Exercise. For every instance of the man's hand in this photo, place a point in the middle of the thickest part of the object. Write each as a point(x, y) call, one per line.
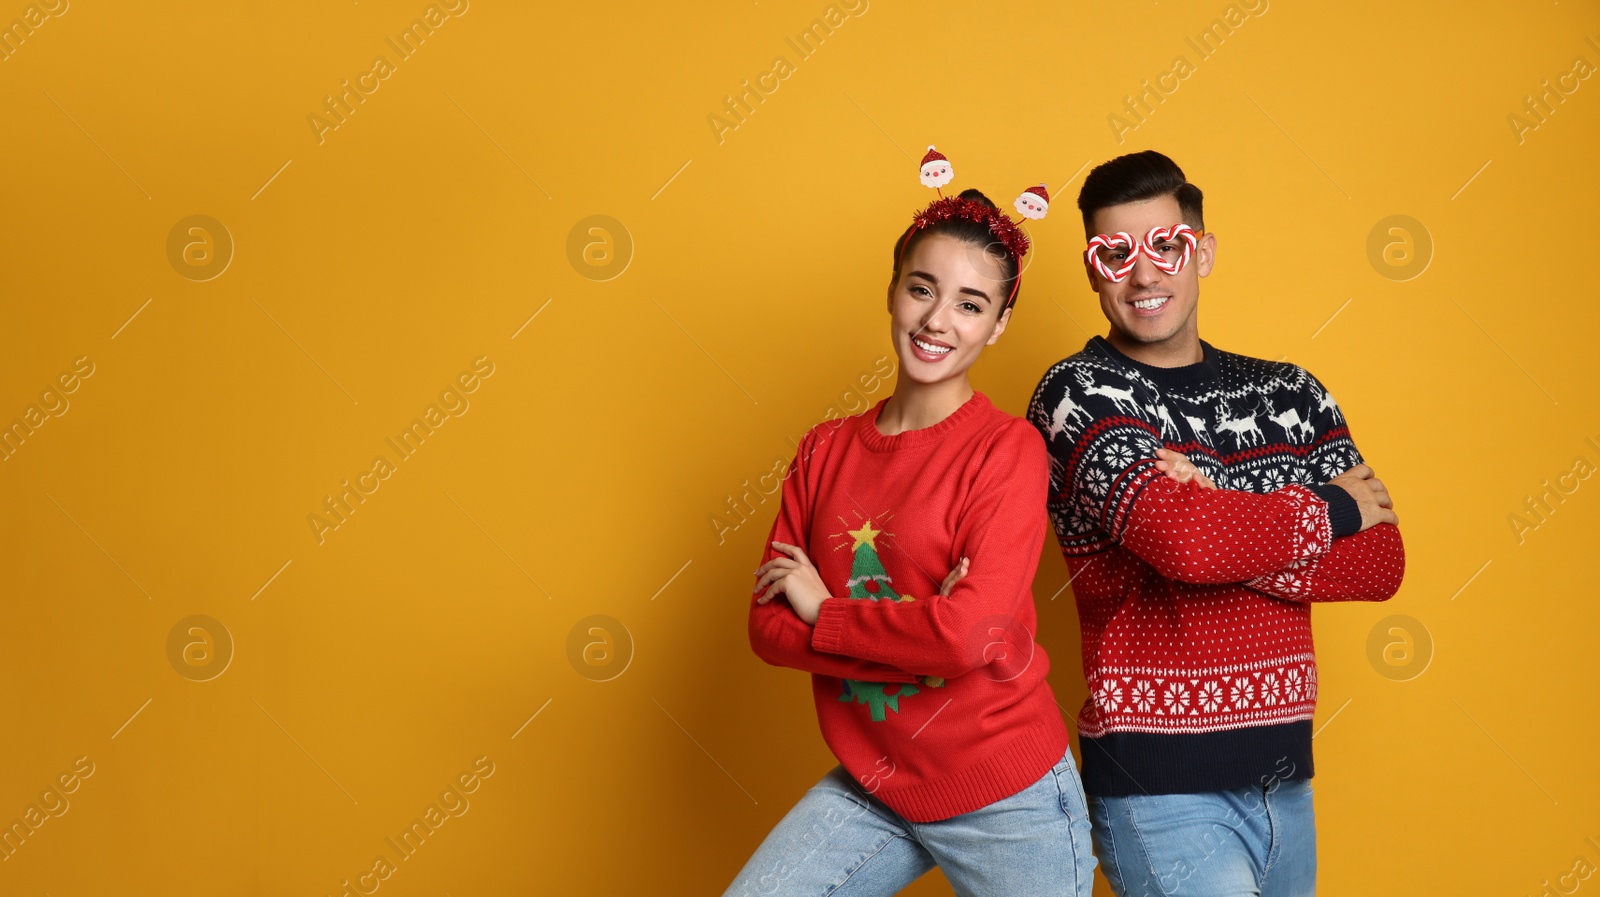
point(1178, 467)
point(1370, 494)
point(795, 578)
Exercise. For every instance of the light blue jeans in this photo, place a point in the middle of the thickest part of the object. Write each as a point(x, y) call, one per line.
point(1259, 841)
point(841, 841)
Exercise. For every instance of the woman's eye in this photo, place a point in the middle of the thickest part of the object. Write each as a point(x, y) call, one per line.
point(920, 291)
point(971, 307)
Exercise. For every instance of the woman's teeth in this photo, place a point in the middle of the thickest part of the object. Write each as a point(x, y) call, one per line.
point(930, 348)
point(1148, 304)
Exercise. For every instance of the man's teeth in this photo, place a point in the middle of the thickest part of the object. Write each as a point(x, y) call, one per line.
point(1148, 304)
point(930, 348)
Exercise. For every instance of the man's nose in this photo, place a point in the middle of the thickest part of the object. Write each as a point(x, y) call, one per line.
point(1145, 273)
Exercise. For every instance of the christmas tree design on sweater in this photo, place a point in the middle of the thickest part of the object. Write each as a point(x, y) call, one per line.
point(869, 581)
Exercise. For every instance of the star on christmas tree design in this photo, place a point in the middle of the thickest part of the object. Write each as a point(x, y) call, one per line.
point(870, 581)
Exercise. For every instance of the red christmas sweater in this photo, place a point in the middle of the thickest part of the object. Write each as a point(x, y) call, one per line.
point(937, 705)
point(1195, 604)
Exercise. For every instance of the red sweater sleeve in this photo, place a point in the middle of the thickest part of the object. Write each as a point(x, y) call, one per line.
point(1200, 535)
point(777, 635)
point(1001, 531)
point(1362, 566)
point(1103, 440)
point(1366, 566)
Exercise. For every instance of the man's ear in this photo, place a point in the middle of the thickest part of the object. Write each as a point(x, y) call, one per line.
point(1206, 253)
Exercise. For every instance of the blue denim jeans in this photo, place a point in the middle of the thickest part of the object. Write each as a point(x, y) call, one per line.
point(1259, 841)
point(841, 841)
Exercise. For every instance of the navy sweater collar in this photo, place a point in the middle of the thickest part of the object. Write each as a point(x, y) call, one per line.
point(1200, 373)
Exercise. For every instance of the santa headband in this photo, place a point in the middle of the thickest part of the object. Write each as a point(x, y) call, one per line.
point(936, 172)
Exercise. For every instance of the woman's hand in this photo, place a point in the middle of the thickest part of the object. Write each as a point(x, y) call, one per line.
point(797, 579)
point(1178, 467)
point(955, 576)
point(794, 577)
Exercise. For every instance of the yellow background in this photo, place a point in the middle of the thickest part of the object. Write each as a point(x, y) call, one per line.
point(430, 228)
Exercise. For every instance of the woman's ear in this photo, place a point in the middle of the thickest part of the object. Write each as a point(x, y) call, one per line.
point(999, 327)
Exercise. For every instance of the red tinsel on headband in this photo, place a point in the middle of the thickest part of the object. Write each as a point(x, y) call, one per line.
point(1002, 227)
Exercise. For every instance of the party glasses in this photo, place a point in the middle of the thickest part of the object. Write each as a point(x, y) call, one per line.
point(1168, 248)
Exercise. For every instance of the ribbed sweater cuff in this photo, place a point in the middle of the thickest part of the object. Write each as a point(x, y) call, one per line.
point(828, 633)
point(1344, 515)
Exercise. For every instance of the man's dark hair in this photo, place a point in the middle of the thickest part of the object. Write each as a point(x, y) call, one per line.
point(1136, 177)
point(968, 231)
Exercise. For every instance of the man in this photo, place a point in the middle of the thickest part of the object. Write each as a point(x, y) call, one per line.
point(1203, 500)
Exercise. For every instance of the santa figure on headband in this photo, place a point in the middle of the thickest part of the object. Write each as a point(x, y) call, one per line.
point(1034, 202)
point(936, 170)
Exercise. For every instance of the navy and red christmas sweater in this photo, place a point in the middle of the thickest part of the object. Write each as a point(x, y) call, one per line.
point(1195, 604)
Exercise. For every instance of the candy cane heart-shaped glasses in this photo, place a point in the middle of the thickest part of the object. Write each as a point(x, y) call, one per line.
point(1168, 248)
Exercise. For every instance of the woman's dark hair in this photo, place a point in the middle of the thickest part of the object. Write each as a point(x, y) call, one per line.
point(968, 231)
point(1136, 177)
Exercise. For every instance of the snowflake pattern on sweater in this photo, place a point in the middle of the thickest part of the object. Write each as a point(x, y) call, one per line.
point(1195, 603)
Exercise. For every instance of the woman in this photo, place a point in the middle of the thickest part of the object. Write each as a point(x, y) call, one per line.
point(899, 574)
